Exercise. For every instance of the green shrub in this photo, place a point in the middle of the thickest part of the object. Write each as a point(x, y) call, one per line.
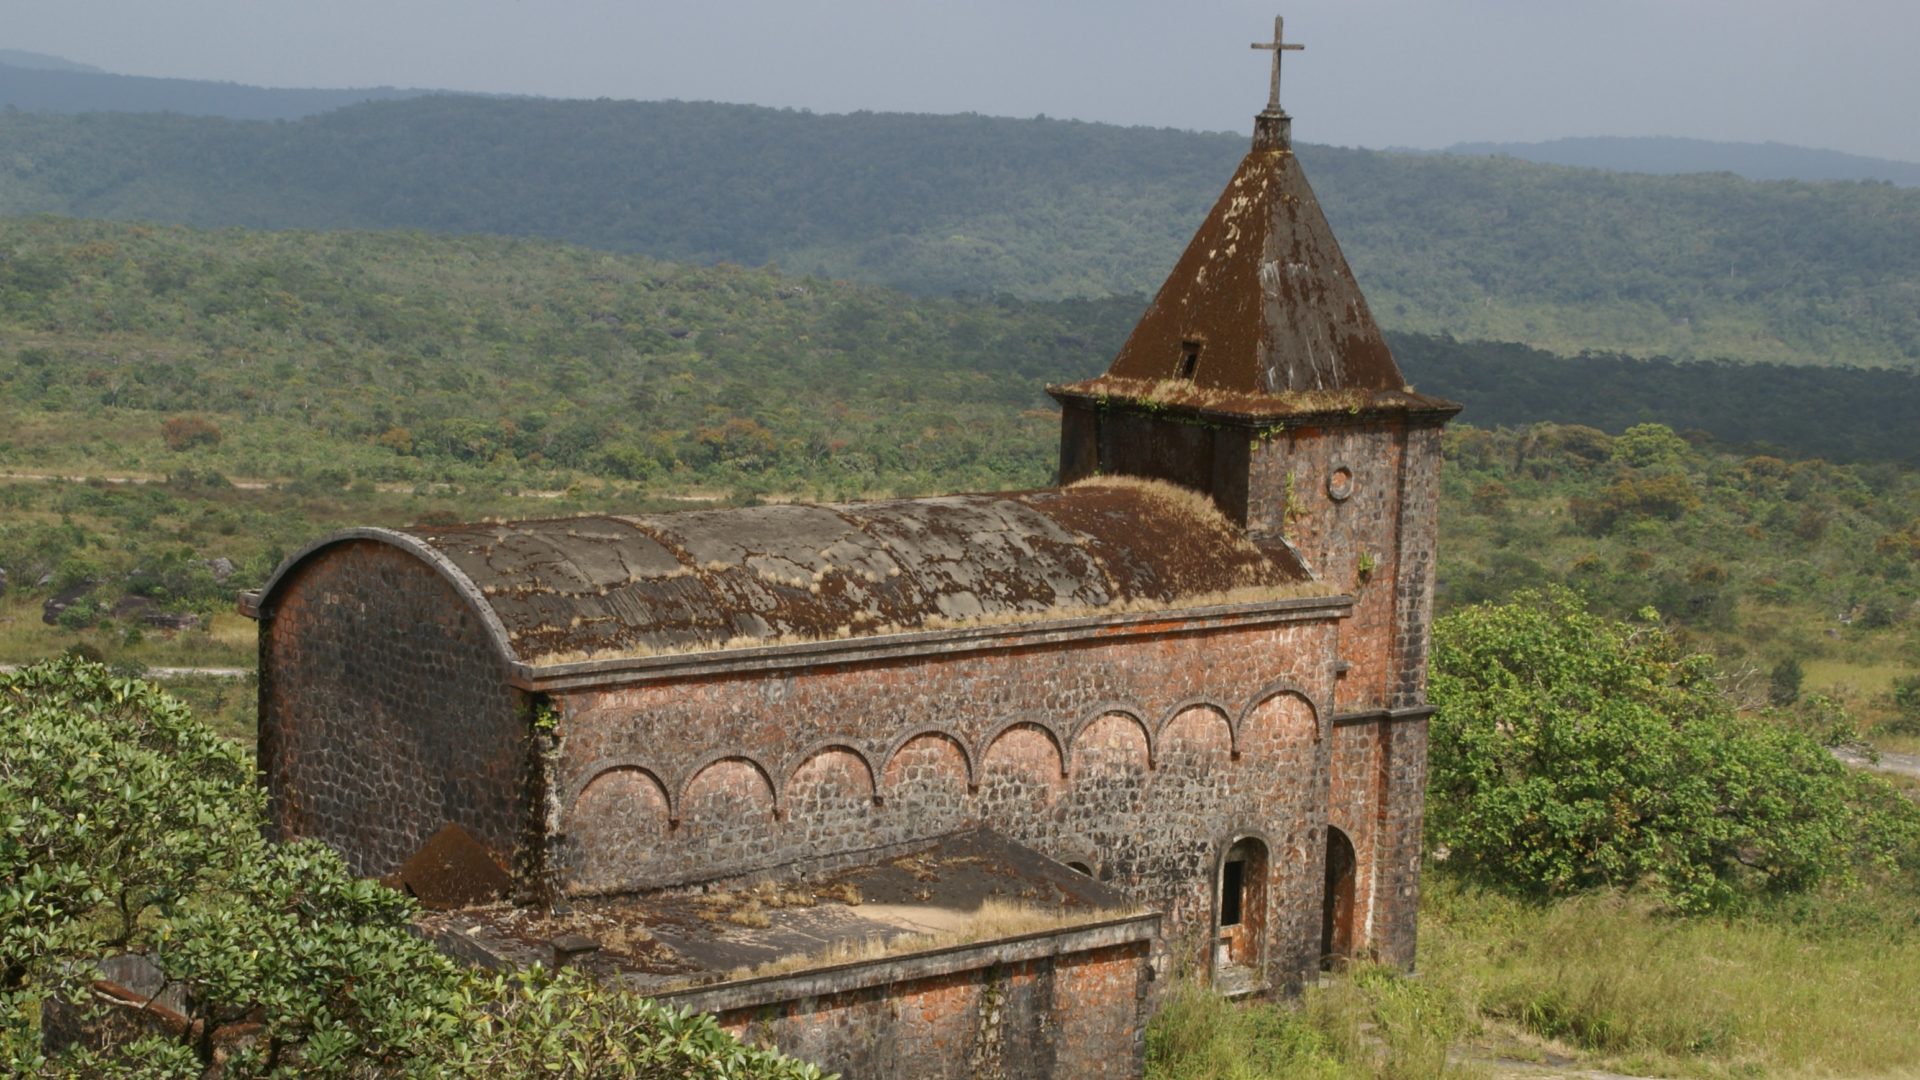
point(186, 432)
point(1571, 752)
point(1783, 683)
point(1906, 706)
point(131, 827)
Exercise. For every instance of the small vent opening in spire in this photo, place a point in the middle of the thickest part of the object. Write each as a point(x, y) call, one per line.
point(1189, 361)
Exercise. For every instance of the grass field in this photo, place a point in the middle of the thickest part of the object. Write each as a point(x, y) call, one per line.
point(1825, 985)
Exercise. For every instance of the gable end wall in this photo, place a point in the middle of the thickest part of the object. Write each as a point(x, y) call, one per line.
point(385, 711)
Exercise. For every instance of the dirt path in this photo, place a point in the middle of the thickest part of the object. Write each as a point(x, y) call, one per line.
point(1508, 1069)
point(244, 485)
point(173, 672)
point(1904, 764)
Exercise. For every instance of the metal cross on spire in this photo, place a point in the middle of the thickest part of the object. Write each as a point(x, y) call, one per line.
point(1278, 45)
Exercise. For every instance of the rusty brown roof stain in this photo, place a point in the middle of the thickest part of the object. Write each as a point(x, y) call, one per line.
point(612, 585)
point(1266, 294)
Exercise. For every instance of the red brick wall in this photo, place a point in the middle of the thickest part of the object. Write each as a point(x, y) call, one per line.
point(1290, 479)
point(1073, 1017)
point(1356, 807)
point(385, 711)
point(1117, 753)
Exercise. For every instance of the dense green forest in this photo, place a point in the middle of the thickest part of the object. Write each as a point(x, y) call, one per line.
point(1558, 258)
point(428, 358)
point(1842, 414)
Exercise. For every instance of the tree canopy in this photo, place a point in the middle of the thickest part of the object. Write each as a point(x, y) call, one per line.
point(1572, 751)
point(129, 827)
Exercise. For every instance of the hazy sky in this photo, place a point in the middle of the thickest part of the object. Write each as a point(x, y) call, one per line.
point(1841, 74)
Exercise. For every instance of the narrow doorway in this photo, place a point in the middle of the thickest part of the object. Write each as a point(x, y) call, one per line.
point(1336, 912)
point(1241, 911)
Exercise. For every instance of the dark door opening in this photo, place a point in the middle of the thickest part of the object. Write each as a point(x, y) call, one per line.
point(1241, 913)
point(1336, 913)
point(1233, 886)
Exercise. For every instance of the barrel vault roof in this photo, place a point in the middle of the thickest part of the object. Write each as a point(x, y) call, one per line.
point(565, 590)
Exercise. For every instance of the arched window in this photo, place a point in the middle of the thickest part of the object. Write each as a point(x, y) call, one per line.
point(1336, 909)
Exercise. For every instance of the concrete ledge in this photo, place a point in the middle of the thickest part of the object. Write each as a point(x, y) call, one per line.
point(931, 963)
point(1374, 716)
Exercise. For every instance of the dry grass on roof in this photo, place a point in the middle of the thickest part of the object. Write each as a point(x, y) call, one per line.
point(1176, 392)
point(993, 920)
point(1189, 508)
point(1248, 594)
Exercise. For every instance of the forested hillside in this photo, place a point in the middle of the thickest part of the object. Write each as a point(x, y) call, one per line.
point(1667, 155)
point(1563, 259)
point(532, 361)
point(1838, 413)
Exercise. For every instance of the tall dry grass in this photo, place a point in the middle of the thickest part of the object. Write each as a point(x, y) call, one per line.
point(1370, 1025)
point(1817, 985)
point(1813, 985)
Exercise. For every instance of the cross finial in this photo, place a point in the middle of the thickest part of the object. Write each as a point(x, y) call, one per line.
point(1278, 45)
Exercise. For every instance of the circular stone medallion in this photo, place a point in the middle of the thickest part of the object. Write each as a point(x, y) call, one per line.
point(1340, 483)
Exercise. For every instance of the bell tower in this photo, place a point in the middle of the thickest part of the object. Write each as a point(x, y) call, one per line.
point(1259, 377)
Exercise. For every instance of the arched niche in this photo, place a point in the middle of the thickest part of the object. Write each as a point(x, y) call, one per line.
point(924, 786)
point(1241, 915)
point(829, 799)
point(615, 828)
point(1021, 777)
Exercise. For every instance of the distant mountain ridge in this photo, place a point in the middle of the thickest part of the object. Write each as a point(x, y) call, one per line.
point(1480, 248)
point(1669, 156)
point(39, 83)
point(35, 61)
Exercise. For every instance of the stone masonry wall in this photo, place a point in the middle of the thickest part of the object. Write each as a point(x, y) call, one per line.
point(1077, 1016)
point(1293, 483)
point(1356, 806)
point(1388, 472)
point(385, 711)
point(1142, 757)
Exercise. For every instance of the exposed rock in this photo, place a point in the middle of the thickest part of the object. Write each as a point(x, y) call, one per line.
point(129, 608)
point(59, 602)
point(171, 620)
point(132, 607)
point(222, 568)
point(3, 581)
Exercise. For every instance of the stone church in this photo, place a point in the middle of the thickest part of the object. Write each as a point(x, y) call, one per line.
point(1193, 672)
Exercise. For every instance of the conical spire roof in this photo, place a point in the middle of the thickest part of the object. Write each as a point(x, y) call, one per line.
point(1262, 302)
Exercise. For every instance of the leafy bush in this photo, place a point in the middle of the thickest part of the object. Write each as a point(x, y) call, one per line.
point(1571, 752)
point(1906, 706)
point(1664, 496)
point(131, 827)
point(1783, 683)
point(1649, 446)
point(187, 432)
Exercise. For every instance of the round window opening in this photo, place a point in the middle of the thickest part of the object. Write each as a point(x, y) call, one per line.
point(1340, 483)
